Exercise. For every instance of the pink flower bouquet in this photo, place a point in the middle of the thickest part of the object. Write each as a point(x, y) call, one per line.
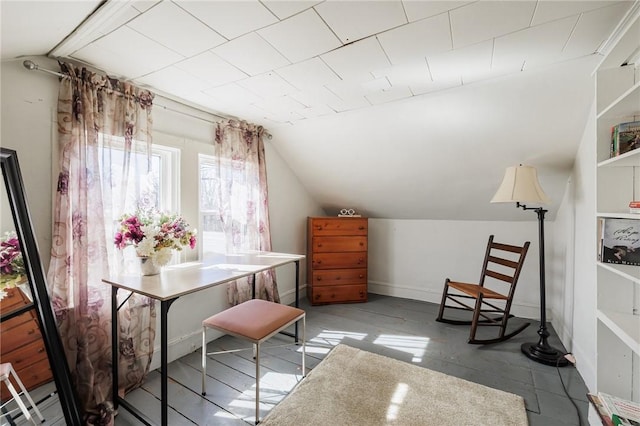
point(12, 270)
point(154, 235)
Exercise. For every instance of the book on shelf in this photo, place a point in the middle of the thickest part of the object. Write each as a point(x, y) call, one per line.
point(621, 411)
point(625, 137)
point(619, 241)
point(604, 415)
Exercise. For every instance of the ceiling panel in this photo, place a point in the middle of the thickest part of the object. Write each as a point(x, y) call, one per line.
point(461, 62)
point(285, 8)
point(355, 20)
point(484, 20)
point(376, 85)
point(176, 29)
point(143, 5)
point(313, 112)
point(391, 94)
point(424, 9)
point(358, 59)
point(173, 80)
point(348, 89)
point(547, 11)
point(315, 96)
point(536, 45)
point(418, 88)
point(311, 37)
point(310, 73)
point(233, 94)
point(127, 53)
point(418, 39)
point(252, 54)
point(592, 30)
point(17, 39)
point(406, 75)
point(349, 104)
point(267, 85)
point(230, 18)
point(209, 67)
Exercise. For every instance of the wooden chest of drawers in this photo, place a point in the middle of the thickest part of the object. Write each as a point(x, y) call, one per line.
point(21, 343)
point(337, 260)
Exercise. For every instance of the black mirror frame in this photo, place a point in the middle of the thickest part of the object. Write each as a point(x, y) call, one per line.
point(37, 284)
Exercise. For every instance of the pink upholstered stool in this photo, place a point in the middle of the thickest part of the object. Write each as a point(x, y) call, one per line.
point(256, 321)
point(7, 375)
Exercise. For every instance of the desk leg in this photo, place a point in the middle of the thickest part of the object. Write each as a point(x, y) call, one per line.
point(164, 357)
point(253, 287)
point(115, 350)
point(297, 294)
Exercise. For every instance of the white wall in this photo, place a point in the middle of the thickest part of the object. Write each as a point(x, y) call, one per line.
point(412, 258)
point(575, 312)
point(28, 109)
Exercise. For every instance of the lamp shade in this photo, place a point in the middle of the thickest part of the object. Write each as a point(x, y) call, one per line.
point(520, 184)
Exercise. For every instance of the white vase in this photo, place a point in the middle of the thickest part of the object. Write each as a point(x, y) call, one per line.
point(147, 267)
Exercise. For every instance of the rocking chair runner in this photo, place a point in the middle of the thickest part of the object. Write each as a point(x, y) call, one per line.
point(495, 258)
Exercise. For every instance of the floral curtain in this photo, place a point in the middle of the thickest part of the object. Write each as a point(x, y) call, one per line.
point(97, 116)
point(244, 212)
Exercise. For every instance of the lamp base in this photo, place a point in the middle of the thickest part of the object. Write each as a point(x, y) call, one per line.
point(544, 354)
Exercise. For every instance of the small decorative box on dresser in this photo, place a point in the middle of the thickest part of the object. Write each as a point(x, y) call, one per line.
point(21, 343)
point(337, 259)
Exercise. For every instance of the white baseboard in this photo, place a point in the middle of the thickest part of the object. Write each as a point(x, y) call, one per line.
point(428, 295)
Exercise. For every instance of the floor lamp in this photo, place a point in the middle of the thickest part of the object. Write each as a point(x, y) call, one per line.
point(520, 185)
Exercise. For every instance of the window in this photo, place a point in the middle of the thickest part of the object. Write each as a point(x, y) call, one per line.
point(211, 232)
point(148, 185)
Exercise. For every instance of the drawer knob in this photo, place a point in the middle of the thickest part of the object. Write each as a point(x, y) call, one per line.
point(317, 296)
point(318, 279)
point(361, 276)
point(338, 277)
point(361, 227)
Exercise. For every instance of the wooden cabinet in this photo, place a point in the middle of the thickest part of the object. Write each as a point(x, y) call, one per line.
point(618, 183)
point(337, 259)
point(21, 343)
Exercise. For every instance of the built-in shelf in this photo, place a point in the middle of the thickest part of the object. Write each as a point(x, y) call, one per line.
point(629, 272)
point(617, 293)
point(627, 104)
point(619, 215)
point(628, 159)
point(625, 326)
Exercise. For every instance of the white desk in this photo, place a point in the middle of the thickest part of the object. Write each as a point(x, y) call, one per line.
point(178, 280)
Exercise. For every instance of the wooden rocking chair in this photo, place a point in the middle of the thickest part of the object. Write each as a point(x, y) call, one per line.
point(495, 259)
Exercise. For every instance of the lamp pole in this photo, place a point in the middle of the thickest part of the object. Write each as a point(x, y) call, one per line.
point(542, 352)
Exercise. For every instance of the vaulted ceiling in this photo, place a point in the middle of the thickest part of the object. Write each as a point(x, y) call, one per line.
point(403, 109)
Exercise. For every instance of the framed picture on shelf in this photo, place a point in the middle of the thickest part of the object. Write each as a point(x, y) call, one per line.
point(621, 241)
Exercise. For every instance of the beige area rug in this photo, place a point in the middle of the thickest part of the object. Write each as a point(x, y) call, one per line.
point(354, 387)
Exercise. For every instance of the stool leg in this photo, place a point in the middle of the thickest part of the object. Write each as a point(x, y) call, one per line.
point(257, 347)
point(304, 347)
point(28, 396)
point(16, 397)
point(204, 359)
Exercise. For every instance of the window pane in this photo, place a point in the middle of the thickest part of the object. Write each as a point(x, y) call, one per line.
point(212, 236)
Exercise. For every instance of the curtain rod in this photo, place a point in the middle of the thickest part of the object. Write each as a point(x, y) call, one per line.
point(32, 66)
